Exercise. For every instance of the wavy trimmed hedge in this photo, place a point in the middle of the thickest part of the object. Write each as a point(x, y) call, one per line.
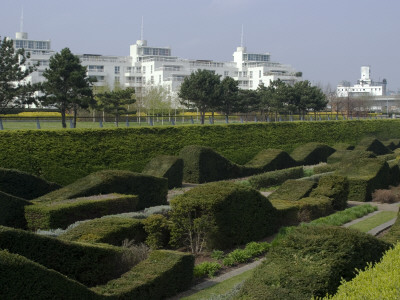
point(271, 160)
point(167, 166)
point(373, 145)
point(272, 178)
point(64, 156)
point(312, 153)
point(88, 264)
point(163, 274)
point(61, 214)
point(12, 211)
point(293, 190)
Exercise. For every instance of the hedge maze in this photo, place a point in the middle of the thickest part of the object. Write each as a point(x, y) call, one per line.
point(99, 224)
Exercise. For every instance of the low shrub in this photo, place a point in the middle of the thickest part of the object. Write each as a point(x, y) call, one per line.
point(24, 185)
point(293, 190)
point(312, 153)
point(151, 190)
point(379, 281)
point(135, 253)
point(335, 187)
point(206, 268)
point(60, 214)
point(271, 160)
point(202, 164)
point(272, 178)
point(111, 230)
point(373, 145)
point(217, 254)
point(311, 261)
point(251, 250)
point(157, 228)
point(12, 211)
point(88, 264)
point(384, 196)
point(162, 275)
point(170, 167)
point(21, 278)
point(220, 215)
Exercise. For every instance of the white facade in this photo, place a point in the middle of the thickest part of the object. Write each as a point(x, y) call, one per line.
point(364, 87)
point(154, 66)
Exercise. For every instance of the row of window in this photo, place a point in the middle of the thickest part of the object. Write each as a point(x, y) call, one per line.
point(26, 44)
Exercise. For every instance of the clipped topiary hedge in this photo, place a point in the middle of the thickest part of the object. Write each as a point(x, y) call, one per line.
point(151, 190)
point(343, 146)
point(335, 187)
point(63, 156)
point(392, 144)
point(21, 278)
point(304, 210)
point(348, 155)
point(312, 153)
point(110, 230)
point(272, 178)
point(12, 211)
point(223, 213)
point(88, 264)
point(311, 261)
point(271, 160)
point(373, 145)
point(60, 214)
point(170, 167)
point(24, 185)
point(162, 275)
point(393, 236)
point(394, 172)
point(293, 190)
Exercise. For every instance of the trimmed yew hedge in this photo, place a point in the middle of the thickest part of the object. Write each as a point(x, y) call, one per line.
point(373, 145)
point(272, 178)
point(12, 211)
point(61, 214)
point(64, 156)
point(88, 264)
point(170, 167)
point(335, 187)
point(312, 153)
point(163, 274)
point(293, 190)
point(271, 160)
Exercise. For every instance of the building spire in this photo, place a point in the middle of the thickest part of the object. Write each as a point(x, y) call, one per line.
point(141, 31)
point(21, 26)
point(241, 38)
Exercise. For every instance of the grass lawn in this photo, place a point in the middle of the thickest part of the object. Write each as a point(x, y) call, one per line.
point(222, 288)
point(374, 221)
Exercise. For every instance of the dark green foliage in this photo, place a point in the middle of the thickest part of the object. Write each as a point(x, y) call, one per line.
point(348, 155)
point(312, 153)
point(303, 210)
point(293, 190)
point(21, 278)
point(65, 156)
point(24, 185)
point(157, 229)
point(275, 177)
point(162, 275)
point(334, 187)
point(365, 175)
point(343, 146)
point(61, 214)
point(110, 230)
point(88, 264)
point(203, 164)
point(393, 236)
point(170, 167)
point(311, 261)
point(394, 172)
point(231, 214)
point(271, 160)
point(373, 145)
point(12, 211)
point(392, 144)
point(151, 190)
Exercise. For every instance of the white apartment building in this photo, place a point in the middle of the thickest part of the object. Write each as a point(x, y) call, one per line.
point(148, 66)
point(364, 87)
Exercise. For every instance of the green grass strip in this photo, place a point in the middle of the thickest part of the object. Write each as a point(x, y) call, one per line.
point(224, 290)
point(374, 221)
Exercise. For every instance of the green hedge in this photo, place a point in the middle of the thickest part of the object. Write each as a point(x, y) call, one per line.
point(61, 214)
point(88, 264)
point(110, 230)
point(227, 214)
point(392, 144)
point(373, 145)
point(343, 146)
point(12, 211)
point(151, 190)
point(348, 155)
point(24, 185)
point(379, 281)
point(304, 210)
point(272, 178)
point(63, 156)
point(311, 261)
point(162, 275)
point(21, 278)
point(312, 153)
point(394, 172)
point(335, 187)
point(293, 190)
point(170, 167)
point(271, 160)
point(393, 236)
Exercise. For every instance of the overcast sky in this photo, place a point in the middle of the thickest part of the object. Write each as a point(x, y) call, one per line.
point(328, 40)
